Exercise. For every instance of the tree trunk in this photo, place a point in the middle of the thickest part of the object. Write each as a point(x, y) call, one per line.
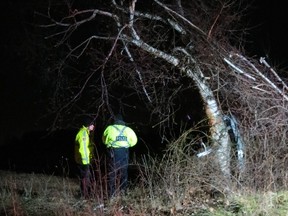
point(219, 134)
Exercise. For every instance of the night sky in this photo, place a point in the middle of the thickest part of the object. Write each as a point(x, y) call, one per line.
point(269, 35)
point(22, 105)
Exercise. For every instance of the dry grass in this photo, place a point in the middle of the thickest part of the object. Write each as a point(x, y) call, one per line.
point(177, 184)
point(39, 194)
point(163, 187)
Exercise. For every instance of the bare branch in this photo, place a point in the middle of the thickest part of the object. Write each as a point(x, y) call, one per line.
point(263, 61)
point(178, 15)
point(156, 52)
point(262, 76)
point(237, 69)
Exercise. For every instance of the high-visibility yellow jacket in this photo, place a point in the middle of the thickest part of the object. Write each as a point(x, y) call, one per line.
point(117, 136)
point(83, 146)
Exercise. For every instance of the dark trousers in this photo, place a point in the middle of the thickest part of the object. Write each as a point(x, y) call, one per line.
point(118, 170)
point(85, 180)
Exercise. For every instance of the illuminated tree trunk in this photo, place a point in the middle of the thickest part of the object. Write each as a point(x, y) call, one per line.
point(219, 134)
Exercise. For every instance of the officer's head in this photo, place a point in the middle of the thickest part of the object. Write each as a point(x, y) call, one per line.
point(88, 122)
point(118, 119)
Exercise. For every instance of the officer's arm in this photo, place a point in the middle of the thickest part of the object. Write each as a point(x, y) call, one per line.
point(132, 137)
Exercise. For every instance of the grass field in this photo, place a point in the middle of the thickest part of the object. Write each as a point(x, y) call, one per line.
point(24, 194)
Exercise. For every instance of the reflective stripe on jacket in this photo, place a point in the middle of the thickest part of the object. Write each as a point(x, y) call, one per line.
point(119, 136)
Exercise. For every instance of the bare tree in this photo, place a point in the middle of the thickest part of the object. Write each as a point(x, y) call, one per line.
point(148, 50)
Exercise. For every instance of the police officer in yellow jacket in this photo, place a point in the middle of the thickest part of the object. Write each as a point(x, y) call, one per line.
point(84, 147)
point(118, 138)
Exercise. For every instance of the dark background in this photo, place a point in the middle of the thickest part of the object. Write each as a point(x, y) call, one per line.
point(23, 105)
point(268, 32)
